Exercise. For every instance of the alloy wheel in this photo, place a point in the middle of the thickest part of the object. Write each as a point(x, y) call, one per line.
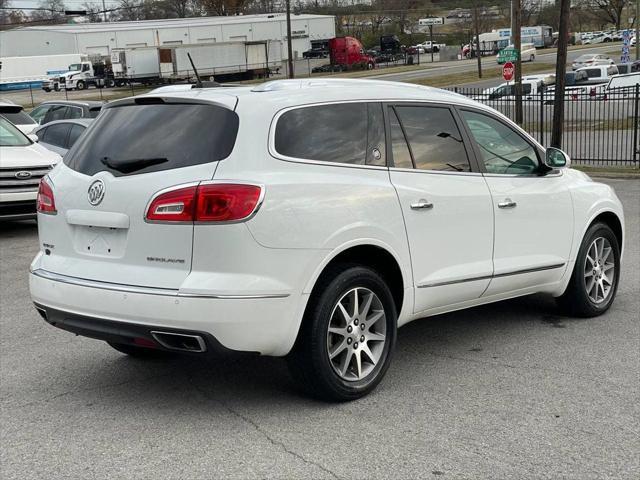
point(356, 335)
point(599, 270)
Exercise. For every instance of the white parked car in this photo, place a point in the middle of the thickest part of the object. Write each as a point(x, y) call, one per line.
point(599, 74)
point(313, 219)
point(591, 60)
point(23, 163)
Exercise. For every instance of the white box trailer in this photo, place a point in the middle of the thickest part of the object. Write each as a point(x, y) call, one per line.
point(23, 72)
point(222, 61)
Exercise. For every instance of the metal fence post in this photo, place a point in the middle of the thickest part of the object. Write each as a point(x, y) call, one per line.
point(132, 91)
point(541, 120)
point(66, 93)
point(31, 93)
point(636, 153)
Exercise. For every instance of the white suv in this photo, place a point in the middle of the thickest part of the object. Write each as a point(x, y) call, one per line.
point(311, 219)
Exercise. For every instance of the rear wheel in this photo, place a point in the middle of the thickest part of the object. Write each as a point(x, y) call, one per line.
point(348, 335)
point(596, 274)
point(138, 352)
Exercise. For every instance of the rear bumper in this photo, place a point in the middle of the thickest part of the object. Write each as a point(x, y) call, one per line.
point(266, 325)
point(123, 332)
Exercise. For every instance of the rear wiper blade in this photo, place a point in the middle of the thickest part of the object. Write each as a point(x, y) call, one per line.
point(133, 164)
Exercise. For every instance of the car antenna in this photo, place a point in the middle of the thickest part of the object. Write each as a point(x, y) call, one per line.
point(198, 81)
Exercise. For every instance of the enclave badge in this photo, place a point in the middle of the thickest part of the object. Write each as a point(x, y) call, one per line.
point(96, 192)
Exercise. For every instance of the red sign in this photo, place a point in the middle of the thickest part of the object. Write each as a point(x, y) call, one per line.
point(508, 71)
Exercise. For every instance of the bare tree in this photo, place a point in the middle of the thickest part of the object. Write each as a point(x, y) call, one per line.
point(610, 10)
point(49, 10)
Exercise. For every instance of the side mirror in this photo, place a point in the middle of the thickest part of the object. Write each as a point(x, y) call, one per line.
point(556, 158)
point(33, 137)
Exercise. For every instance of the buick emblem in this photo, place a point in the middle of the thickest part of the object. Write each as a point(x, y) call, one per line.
point(23, 175)
point(96, 192)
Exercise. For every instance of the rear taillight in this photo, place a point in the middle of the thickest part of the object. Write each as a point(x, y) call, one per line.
point(45, 203)
point(173, 206)
point(213, 202)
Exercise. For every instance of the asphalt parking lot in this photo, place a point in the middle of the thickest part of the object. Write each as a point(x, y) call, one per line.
point(510, 390)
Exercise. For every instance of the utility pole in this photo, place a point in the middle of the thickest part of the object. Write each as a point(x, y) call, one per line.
point(289, 49)
point(476, 26)
point(516, 32)
point(104, 10)
point(561, 67)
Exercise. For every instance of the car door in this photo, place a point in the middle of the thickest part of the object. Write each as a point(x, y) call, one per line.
point(446, 205)
point(533, 211)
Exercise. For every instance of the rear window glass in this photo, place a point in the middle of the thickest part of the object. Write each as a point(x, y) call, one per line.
point(135, 139)
point(94, 111)
point(18, 118)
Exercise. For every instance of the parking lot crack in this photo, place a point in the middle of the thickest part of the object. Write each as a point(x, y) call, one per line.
point(263, 432)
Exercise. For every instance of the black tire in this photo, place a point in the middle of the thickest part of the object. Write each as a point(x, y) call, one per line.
point(309, 362)
point(532, 58)
point(575, 300)
point(47, 90)
point(80, 85)
point(139, 352)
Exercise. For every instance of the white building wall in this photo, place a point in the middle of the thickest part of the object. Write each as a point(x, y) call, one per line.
point(30, 42)
point(26, 43)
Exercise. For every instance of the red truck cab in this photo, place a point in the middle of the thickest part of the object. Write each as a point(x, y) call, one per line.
point(348, 53)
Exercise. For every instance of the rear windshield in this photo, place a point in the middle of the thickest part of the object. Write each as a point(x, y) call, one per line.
point(18, 118)
point(135, 139)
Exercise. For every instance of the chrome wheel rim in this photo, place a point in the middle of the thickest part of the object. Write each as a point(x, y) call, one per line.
point(599, 270)
point(357, 334)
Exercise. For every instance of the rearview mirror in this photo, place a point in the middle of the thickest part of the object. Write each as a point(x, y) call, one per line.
point(33, 137)
point(556, 158)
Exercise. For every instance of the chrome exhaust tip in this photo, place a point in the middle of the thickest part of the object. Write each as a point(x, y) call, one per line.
point(180, 342)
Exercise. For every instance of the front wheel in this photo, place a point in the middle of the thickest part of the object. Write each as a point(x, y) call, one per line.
point(596, 274)
point(347, 337)
point(80, 85)
point(532, 58)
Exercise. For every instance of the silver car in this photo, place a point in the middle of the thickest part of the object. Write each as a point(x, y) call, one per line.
point(59, 136)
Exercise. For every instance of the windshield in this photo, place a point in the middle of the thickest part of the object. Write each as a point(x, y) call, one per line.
point(132, 139)
point(10, 136)
point(75, 66)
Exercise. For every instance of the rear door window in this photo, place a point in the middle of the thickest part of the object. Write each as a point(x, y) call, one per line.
point(134, 139)
point(18, 118)
point(57, 134)
point(328, 133)
point(56, 112)
point(74, 112)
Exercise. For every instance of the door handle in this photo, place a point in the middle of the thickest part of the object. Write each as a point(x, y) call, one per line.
point(508, 203)
point(422, 205)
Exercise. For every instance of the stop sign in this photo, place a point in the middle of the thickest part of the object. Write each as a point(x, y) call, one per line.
point(508, 70)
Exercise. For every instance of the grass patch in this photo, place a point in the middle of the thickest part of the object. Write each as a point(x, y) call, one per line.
point(471, 77)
